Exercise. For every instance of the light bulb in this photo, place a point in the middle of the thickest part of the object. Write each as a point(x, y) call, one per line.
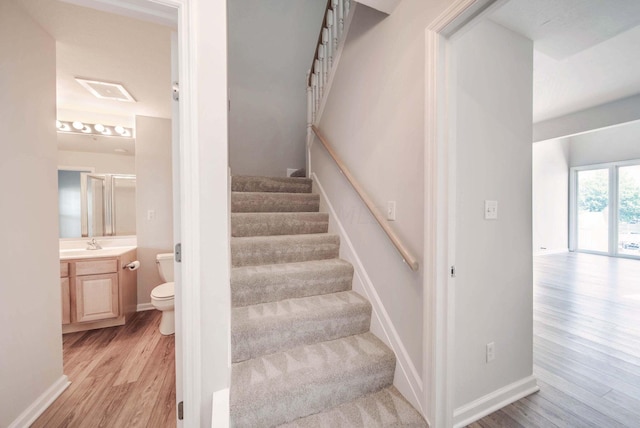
point(86, 129)
point(99, 127)
point(58, 124)
point(120, 129)
point(78, 125)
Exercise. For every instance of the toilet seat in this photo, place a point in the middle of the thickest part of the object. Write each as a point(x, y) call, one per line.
point(164, 291)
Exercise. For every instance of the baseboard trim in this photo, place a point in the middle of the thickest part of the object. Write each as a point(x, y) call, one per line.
point(406, 378)
point(494, 401)
point(41, 404)
point(220, 409)
point(557, 251)
point(144, 307)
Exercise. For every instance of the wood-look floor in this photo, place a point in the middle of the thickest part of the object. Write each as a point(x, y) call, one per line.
point(120, 377)
point(586, 318)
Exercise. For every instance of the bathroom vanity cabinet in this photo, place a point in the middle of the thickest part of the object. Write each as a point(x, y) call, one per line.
point(98, 291)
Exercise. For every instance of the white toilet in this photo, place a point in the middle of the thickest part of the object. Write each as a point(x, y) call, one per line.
point(162, 297)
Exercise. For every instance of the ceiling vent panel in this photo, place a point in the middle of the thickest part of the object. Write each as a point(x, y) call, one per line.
point(106, 90)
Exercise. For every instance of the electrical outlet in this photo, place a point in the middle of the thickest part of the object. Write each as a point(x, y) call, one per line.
point(391, 210)
point(491, 351)
point(151, 214)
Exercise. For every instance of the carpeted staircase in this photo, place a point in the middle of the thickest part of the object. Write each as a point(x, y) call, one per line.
point(302, 352)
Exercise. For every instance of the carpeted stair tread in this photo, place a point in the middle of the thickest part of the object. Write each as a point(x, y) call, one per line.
point(273, 327)
point(385, 408)
point(281, 223)
point(262, 250)
point(281, 387)
point(245, 183)
point(251, 285)
point(245, 202)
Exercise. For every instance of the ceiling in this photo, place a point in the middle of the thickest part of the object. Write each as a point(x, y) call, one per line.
point(585, 51)
point(114, 48)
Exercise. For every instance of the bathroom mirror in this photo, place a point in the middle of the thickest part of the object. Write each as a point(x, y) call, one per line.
point(94, 204)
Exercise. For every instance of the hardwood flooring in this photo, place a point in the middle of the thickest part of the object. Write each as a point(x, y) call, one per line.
point(586, 337)
point(120, 377)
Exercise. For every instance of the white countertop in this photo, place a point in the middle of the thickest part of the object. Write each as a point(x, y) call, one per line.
point(90, 254)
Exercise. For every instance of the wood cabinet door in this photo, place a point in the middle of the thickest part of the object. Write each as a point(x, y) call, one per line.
point(66, 300)
point(96, 297)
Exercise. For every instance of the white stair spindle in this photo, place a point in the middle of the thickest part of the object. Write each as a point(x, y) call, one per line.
point(334, 15)
point(347, 7)
point(317, 96)
point(333, 35)
point(327, 48)
point(310, 111)
point(340, 18)
point(323, 66)
point(309, 101)
point(318, 70)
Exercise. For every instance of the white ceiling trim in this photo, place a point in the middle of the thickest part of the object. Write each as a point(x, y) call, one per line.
point(603, 116)
point(144, 11)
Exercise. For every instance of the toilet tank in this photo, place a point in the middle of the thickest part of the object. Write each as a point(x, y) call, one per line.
point(165, 266)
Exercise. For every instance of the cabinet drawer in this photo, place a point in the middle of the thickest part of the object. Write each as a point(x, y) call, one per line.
point(96, 267)
point(64, 269)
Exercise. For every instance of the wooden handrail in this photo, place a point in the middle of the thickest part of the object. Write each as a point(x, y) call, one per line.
point(408, 258)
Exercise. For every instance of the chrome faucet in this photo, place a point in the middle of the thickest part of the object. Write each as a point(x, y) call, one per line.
point(93, 245)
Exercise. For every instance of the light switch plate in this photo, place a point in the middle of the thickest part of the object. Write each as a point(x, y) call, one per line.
point(490, 210)
point(391, 210)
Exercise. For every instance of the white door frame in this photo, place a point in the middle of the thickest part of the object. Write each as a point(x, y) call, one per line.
point(439, 214)
point(190, 190)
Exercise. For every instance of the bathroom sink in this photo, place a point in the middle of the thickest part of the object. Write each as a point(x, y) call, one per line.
point(87, 254)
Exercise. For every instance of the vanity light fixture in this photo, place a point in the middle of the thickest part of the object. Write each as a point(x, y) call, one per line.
point(77, 127)
point(64, 127)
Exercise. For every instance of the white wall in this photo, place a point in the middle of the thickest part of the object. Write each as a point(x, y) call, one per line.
point(551, 196)
point(606, 145)
point(102, 162)
point(212, 184)
point(153, 192)
point(493, 259)
point(31, 340)
point(271, 45)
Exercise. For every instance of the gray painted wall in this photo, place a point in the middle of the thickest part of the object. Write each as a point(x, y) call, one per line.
point(271, 45)
point(493, 284)
point(31, 339)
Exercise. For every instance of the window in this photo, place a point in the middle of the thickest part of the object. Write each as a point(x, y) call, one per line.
point(605, 209)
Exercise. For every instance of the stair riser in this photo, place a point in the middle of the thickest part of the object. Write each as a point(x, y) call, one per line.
point(271, 184)
point(317, 398)
point(251, 252)
point(274, 202)
point(250, 286)
point(268, 224)
point(253, 339)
